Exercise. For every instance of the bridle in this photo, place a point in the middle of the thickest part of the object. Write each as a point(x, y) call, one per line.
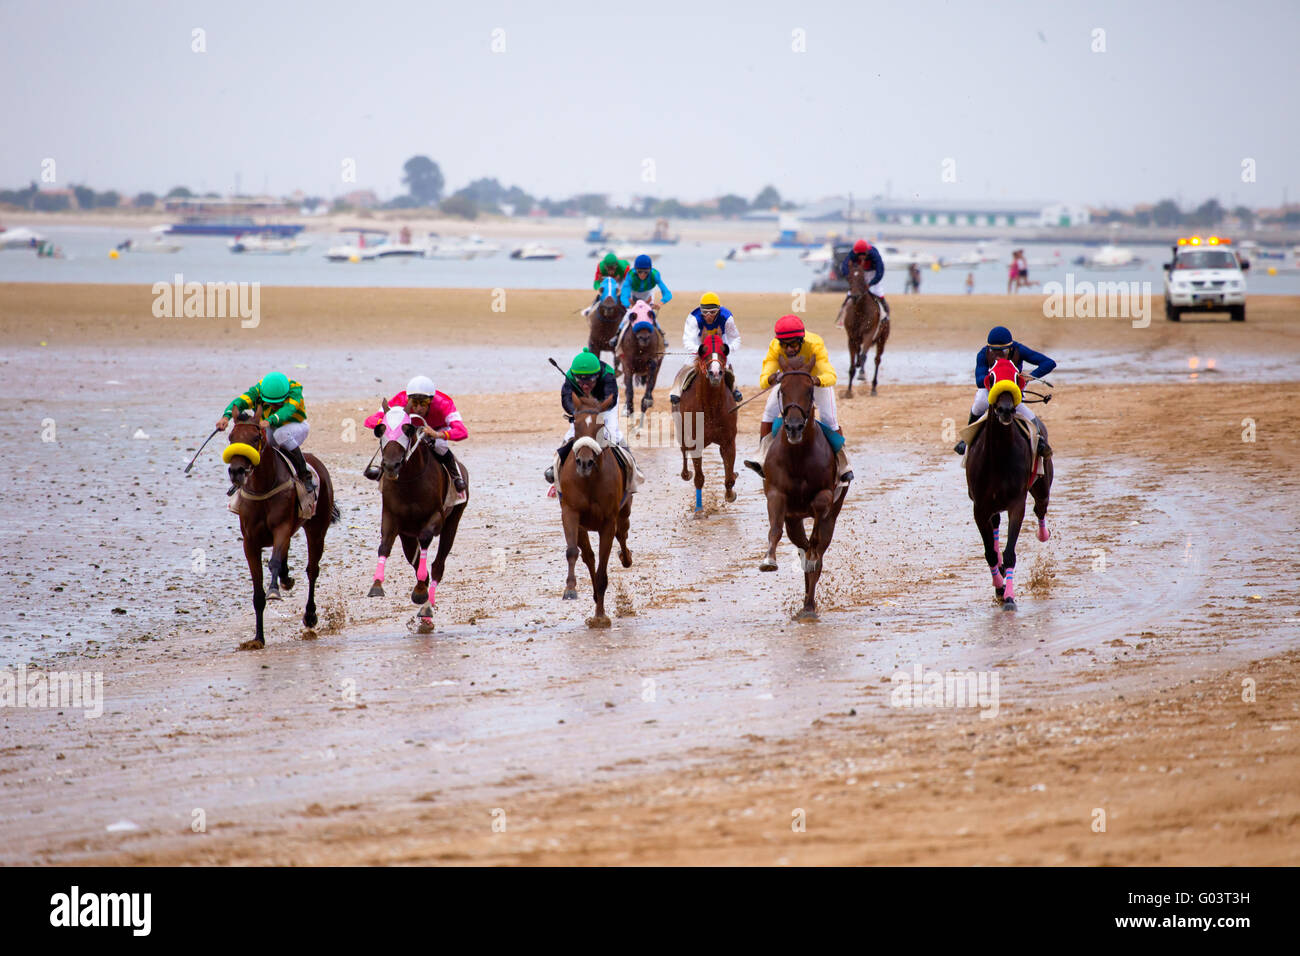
point(411, 443)
point(785, 407)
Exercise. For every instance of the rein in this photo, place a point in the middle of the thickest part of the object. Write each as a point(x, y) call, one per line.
point(807, 412)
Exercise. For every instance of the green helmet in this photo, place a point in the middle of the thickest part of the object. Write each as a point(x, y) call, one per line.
point(585, 363)
point(609, 260)
point(274, 388)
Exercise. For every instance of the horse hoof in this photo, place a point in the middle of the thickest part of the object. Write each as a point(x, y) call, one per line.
point(286, 583)
point(1009, 605)
point(699, 513)
point(686, 475)
point(309, 619)
point(419, 595)
point(424, 622)
point(570, 595)
point(625, 558)
point(1043, 533)
point(730, 495)
point(273, 594)
point(807, 616)
point(766, 565)
point(598, 621)
point(376, 590)
point(873, 390)
point(253, 645)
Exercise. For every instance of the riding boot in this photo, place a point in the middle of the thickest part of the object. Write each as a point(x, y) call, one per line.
point(730, 379)
point(561, 453)
point(300, 465)
point(960, 447)
point(842, 468)
point(448, 460)
point(1044, 449)
point(764, 429)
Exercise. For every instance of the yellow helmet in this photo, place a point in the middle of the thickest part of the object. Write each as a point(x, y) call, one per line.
point(710, 298)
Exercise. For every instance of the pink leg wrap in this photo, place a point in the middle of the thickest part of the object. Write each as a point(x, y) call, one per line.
point(379, 568)
point(1010, 593)
point(997, 546)
point(997, 577)
point(422, 570)
point(1043, 533)
point(433, 590)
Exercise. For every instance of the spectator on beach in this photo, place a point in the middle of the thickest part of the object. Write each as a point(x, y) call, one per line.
point(970, 282)
point(913, 283)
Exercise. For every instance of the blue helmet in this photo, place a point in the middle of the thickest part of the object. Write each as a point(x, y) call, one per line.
point(642, 262)
point(1000, 337)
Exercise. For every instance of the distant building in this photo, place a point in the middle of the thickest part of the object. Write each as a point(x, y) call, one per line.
point(977, 214)
point(360, 199)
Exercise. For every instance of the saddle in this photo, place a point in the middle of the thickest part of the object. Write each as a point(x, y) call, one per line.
point(1030, 429)
point(306, 502)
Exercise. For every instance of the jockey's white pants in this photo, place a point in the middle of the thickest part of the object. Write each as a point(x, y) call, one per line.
point(609, 419)
point(823, 398)
point(290, 435)
point(981, 405)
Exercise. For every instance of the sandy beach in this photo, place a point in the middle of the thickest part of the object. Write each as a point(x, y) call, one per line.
point(1150, 674)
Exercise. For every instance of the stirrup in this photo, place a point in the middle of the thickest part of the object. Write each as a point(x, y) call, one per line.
point(846, 477)
point(960, 448)
point(735, 393)
point(549, 474)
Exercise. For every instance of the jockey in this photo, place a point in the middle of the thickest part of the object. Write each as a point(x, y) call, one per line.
point(1001, 345)
point(443, 424)
point(592, 378)
point(792, 339)
point(610, 267)
point(640, 284)
point(709, 318)
point(868, 256)
point(284, 419)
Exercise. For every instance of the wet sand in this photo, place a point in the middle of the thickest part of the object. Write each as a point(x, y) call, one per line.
point(692, 729)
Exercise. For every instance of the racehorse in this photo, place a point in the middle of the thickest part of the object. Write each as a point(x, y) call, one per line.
point(799, 480)
point(863, 324)
point(268, 515)
point(642, 355)
point(415, 490)
point(998, 475)
point(605, 318)
point(706, 415)
point(595, 495)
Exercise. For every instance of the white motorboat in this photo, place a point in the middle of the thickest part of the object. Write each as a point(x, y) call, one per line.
point(267, 245)
point(19, 238)
point(895, 257)
point(535, 251)
point(157, 246)
point(1110, 257)
point(818, 256)
point(752, 252)
point(363, 249)
point(449, 247)
point(482, 248)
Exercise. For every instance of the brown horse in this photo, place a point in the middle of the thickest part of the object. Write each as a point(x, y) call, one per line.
point(706, 415)
point(269, 515)
point(594, 496)
point(604, 318)
point(415, 488)
point(863, 324)
point(642, 355)
point(799, 480)
point(998, 464)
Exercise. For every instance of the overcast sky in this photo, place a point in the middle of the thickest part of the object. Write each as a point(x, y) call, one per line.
point(716, 95)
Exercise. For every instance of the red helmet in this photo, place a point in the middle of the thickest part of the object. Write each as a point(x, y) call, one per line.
point(789, 327)
point(862, 246)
